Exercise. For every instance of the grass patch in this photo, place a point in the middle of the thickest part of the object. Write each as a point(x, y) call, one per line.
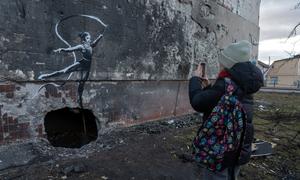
point(277, 119)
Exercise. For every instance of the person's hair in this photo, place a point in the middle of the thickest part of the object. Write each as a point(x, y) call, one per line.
point(82, 35)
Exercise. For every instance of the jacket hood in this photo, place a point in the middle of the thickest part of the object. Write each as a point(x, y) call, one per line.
point(247, 76)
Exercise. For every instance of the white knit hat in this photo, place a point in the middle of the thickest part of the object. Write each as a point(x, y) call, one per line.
point(235, 53)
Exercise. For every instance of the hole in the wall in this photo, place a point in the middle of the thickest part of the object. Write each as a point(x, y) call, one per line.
point(70, 127)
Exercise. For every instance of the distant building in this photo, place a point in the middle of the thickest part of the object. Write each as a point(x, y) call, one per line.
point(263, 67)
point(284, 73)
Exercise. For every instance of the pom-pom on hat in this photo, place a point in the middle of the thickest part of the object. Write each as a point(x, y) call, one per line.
point(235, 53)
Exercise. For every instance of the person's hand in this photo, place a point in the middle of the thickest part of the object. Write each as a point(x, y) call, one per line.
point(205, 82)
point(198, 73)
point(58, 50)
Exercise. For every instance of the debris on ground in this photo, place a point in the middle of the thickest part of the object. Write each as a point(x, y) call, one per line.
point(161, 150)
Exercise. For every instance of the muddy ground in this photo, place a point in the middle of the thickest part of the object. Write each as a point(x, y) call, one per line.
point(153, 150)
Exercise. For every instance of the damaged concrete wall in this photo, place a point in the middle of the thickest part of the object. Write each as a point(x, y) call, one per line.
point(139, 69)
point(246, 9)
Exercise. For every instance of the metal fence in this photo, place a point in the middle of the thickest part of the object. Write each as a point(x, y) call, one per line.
point(278, 84)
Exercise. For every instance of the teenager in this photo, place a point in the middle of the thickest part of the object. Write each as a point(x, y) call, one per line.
point(235, 65)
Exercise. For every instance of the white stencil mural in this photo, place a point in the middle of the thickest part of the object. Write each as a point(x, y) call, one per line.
point(83, 65)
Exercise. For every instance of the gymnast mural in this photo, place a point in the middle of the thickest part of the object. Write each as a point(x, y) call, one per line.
point(83, 65)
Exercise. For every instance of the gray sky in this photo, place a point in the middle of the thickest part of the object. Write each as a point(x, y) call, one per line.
point(277, 19)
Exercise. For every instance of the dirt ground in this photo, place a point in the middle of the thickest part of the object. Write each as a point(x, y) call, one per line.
point(153, 150)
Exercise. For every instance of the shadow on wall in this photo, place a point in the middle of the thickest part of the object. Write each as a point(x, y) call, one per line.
point(71, 127)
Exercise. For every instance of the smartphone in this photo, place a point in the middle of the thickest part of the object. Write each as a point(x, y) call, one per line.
point(203, 69)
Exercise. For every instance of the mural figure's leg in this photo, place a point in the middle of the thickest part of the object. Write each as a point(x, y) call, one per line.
point(66, 70)
point(84, 78)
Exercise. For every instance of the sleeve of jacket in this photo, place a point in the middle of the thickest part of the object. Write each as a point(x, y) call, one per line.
point(205, 99)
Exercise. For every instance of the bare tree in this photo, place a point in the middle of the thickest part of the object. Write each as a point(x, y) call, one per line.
point(293, 33)
point(297, 6)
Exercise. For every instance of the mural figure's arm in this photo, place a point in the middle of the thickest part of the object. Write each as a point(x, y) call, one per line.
point(70, 49)
point(95, 42)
